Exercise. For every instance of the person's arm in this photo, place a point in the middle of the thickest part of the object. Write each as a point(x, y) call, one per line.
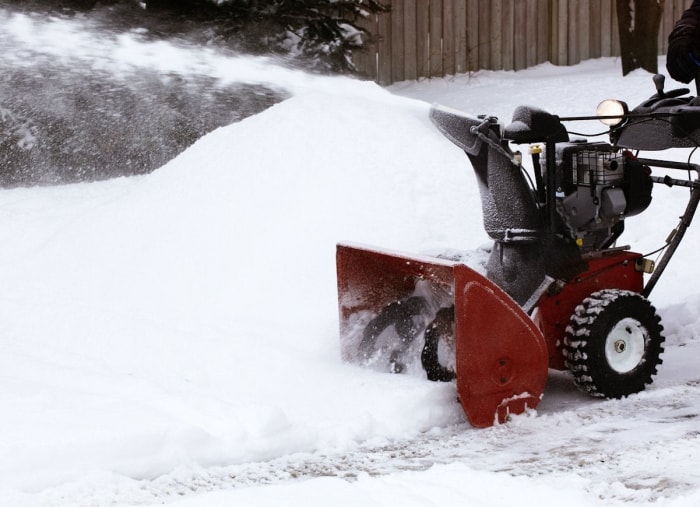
point(683, 55)
point(691, 16)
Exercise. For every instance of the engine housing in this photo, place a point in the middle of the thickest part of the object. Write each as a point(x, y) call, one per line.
point(597, 188)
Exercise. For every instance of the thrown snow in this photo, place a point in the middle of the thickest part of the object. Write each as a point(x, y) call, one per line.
point(173, 337)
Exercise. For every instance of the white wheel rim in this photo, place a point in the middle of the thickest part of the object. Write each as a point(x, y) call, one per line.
point(625, 344)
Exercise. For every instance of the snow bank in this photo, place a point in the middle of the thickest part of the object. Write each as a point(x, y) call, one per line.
point(190, 315)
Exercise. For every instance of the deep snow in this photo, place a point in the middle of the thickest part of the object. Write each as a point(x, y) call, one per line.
point(173, 337)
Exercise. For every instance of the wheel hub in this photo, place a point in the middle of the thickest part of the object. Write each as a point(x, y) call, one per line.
point(625, 345)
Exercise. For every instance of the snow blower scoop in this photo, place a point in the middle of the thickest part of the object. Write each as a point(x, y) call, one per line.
point(500, 357)
point(556, 291)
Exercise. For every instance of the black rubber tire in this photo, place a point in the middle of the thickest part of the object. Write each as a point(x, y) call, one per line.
point(613, 343)
point(400, 314)
point(442, 327)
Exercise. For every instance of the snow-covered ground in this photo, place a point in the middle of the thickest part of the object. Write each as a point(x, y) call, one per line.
point(172, 338)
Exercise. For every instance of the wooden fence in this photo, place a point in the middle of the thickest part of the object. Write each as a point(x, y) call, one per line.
point(432, 38)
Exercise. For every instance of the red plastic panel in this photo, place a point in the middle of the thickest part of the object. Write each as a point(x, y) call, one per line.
point(501, 355)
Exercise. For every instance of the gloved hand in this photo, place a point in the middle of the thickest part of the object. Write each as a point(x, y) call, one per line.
point(682, 56)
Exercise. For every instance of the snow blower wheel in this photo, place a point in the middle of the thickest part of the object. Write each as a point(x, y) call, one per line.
point(406, 317)
point(441, 328)
point(613, 343)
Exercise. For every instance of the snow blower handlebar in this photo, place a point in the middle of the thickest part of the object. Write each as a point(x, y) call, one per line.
point(677, 234)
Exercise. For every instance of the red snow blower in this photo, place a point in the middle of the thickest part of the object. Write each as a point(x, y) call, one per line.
point(556, 290)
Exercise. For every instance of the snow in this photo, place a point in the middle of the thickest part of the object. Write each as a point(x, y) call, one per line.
point(172, 338)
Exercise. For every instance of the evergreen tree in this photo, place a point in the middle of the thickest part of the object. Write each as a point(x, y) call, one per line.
point(321, 32)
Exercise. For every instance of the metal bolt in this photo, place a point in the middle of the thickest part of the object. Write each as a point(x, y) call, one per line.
point(620, 346)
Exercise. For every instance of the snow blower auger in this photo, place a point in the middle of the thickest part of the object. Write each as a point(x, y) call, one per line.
point(556, 290)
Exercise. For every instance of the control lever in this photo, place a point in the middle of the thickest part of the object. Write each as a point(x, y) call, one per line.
point(659, 81)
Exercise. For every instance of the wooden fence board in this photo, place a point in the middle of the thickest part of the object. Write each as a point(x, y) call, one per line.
point(397, 43)
point(496, 60)
point(615, 35)
point(448, 37)
point(530, 27)
point(519, 35)
point(572, 33)
point(583, 25)
point(606, 33)
point(484, 35)
point(436, 67)
point(423, 38)
point(473, 34)
point(507, 35)
point(384, 63)
point(461, 40)
point(544, 17)
point(595, 29)
point(409, 40)
point(562, 34)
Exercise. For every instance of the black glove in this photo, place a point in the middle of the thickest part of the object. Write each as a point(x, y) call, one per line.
point(682, 59)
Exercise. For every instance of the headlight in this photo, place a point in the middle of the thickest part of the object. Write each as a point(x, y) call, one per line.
point(611, 112)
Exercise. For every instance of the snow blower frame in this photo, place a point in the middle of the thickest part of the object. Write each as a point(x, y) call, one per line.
point(556, 292)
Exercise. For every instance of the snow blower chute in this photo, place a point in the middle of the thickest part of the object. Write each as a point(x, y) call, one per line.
point(556, 291)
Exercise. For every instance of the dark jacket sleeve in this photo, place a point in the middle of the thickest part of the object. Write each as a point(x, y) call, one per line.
point(690, 18)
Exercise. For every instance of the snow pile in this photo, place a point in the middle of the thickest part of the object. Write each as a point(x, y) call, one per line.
point(213, 279)
point(163, 334)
